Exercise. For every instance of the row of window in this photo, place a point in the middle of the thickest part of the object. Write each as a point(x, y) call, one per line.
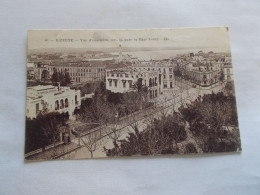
point(85, 74)
point(153, 94)
point(77, 69)
point(124, 83)
point(79, 79)
point(170, 76)
point(152, 82)
point(126, 75)
point(64, 104)
point(165, 85)
point(118, 75)
point(205, 69)
point(60, 104)
point(164, 70)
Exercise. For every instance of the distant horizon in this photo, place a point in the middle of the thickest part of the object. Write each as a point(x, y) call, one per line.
point(148, 53)
point(127, 49)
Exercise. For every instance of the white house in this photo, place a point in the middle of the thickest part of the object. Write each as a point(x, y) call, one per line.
point(51, 98)
point(164, 69)
point(123, 80)
point(120, 81)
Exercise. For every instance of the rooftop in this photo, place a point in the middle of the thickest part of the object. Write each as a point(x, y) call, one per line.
point(42, 87)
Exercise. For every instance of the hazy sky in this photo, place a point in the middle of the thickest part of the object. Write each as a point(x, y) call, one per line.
point(183, 38)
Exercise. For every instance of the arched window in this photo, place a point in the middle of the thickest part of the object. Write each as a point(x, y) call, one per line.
point(57, 105)
point(61, 104)
point(66, 103)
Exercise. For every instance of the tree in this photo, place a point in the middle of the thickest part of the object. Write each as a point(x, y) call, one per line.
point(152, 140)
point(67, 79)
point(99, 108)
point(114, 133)
point(221, 77)
point(229, 88)
point(49, 125)
point(45, 75)
point(210, 119)
point(55, 77)
point(88, 88)
point(133, 103)
point(141, 89)
point(44, 130)
point(60, 77)
point(177, 72)
point(91, 142)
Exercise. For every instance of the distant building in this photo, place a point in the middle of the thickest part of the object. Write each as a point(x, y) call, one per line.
point(51, 99)
point(30, 71)
point(228, 71)
point(205, 69)
point(35, 71)
point(81, 72)
point(203, 74)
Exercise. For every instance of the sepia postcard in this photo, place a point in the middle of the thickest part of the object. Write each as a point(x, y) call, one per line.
point(129, 93)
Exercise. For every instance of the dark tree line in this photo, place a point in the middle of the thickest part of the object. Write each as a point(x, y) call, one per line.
point(44, 130)
point(105, 102)
point(60, 77)
point(211, 120)
point(160, 137)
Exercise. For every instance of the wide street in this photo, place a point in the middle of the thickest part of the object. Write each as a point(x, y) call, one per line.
point(165, 104)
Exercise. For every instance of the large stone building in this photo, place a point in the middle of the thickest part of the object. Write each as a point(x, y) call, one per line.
point(81, 72)
point(205, 69)
point(126, 79)
point(228, 70)
point(203, 74)
point(51, 99)
point(164, 69)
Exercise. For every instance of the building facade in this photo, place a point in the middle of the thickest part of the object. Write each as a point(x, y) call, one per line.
point(51, 99)
point(205, 69)
point(37, 71)
point(126, 80)
point(228, 70)
point(203, 74)
point(81, 72)
point(165, 72)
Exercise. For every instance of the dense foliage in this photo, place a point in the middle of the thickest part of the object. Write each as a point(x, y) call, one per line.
point(61, 77)
point(158, 138)
point(106, 103)
point(43, 130)
point(211, 122)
